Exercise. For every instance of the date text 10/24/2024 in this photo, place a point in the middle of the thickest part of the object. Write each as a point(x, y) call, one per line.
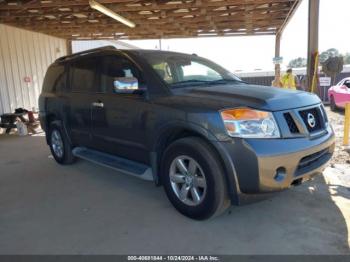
point(173, 258)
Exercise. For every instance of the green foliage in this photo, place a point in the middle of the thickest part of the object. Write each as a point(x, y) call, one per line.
point(332, 52)
point(333, 66)
point(298, 62)
point(347, 59)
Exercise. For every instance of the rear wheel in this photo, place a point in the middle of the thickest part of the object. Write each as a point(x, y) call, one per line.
point(60, 147)
point(193, 179)
point(333, 104)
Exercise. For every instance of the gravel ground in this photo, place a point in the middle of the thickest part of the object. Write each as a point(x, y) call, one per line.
point(340, 163)
point(341, 154)
point(46, 208)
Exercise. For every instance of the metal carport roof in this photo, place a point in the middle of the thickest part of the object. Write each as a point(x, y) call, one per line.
point(153, 18)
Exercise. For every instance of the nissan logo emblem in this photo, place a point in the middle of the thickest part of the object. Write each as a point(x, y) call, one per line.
point(311, 120)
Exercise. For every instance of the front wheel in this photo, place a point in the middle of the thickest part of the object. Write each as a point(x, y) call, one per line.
point(333, 104)
point(193, 179)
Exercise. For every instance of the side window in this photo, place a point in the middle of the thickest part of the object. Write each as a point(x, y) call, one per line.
point(164, 71)
point(119, 75)
point(53, 73)
point(61, 81)
point(340, 83)
point(82, 75)
point(347, 83)
point(196, 70)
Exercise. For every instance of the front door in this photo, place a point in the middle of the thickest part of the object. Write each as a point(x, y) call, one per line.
point(119, 112)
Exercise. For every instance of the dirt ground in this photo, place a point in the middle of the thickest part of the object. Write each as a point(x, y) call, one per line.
point(341, 154)
point(46, 208)
point(338, 171)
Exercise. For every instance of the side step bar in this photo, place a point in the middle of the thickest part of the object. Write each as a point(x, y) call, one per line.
point(117, 163)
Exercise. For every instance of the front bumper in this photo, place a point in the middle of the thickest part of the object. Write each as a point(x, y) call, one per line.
point(262, 166)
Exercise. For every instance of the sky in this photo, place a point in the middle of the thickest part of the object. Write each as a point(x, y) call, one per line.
point(256, 52)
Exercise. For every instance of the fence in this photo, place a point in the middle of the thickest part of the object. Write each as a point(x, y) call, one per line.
point(267, 80)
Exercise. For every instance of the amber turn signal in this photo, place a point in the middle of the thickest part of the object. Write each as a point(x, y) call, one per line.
point(243, 114)
point(249, 123)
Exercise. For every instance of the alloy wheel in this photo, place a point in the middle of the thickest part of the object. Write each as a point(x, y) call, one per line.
point(57, 143)
point(188, 180)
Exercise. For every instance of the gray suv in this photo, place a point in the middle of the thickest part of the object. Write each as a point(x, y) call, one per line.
point(185, 123)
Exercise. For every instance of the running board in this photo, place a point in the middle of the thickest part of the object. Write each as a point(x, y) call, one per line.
point(114, 162)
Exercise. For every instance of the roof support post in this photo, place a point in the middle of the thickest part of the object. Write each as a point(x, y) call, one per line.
point(277, 54)
point(69, 47)
point(313, 27)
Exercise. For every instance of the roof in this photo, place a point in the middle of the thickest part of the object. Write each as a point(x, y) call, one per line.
point(111, 48)
point(86, 52)
point(78, 46)
point(153, 18)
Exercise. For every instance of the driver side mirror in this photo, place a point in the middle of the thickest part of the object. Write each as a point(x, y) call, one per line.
point(125, 84)
point(128, 85)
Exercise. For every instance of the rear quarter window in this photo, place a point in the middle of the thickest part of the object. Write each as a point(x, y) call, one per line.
point(83, 75)
point(54, 79)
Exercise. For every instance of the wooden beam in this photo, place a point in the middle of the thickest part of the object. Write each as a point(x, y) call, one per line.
point(313, 32)
point(153, 18)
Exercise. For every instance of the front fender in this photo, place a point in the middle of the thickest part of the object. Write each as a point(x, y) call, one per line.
point(167, 129)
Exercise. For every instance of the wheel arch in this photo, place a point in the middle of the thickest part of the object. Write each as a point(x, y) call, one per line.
point(55, 119)
point(173, 133)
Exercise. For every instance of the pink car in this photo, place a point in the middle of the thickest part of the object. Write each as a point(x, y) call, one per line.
point(339, 94)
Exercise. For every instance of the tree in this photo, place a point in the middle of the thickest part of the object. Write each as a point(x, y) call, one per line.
point(347, 59)
point(298, 62)
point(332, 62)
point(323, 57)
point(333, 66)
point(332, 52)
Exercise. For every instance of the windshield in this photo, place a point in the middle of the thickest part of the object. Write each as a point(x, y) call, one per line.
point(188, 70)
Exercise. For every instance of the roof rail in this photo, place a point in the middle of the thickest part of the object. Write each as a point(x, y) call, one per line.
point(89, 51)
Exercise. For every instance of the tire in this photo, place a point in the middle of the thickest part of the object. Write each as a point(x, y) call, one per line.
point(209, 198)
point(333, 105)
point(62, 155)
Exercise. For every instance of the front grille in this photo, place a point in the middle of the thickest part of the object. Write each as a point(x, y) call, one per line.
point(324, 114)
point(291, 123)
point(312, 119)
point(308, 163)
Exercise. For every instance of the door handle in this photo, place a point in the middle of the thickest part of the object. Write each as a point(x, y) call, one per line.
point(98, 104)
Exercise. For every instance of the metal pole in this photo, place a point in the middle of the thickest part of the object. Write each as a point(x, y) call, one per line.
point(313, 27)
point(278, 54)
point(69, 47)
point(346, 125)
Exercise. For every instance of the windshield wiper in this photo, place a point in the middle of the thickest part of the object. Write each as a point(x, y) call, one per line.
point(197, 82)
point(225, 81)
point(187, 82)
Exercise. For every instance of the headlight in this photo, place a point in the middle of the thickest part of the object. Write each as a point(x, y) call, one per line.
point(250, 123)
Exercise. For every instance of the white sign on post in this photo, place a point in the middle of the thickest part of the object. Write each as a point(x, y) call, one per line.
point(277, 60)
point(325, 81)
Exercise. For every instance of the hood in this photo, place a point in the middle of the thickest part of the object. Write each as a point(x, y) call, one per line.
point(259, 97)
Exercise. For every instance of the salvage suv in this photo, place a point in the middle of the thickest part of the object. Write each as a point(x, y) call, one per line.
point(184, 122)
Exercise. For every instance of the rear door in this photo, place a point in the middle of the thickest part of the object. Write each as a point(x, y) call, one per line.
point(83, 87)
point(120, 110)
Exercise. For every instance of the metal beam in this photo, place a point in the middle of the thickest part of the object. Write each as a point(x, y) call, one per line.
point(313, 32)
point(277, 54)
point(69, 47)
point(279, 33)
point(291, 13)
